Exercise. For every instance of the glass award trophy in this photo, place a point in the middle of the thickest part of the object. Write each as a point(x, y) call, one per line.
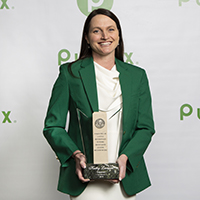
point(95, 131)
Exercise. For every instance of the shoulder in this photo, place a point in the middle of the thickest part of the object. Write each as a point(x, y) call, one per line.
point(130, 67)
point(75, 64)
point(71, 68)
point(74, 67)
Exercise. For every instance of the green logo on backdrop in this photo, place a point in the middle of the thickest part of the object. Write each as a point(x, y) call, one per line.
point(65, 55)
point(4, 4)
point(6, 117)
point(185, 1)
point(186, 110)
point(182, 1)
point(87, 6)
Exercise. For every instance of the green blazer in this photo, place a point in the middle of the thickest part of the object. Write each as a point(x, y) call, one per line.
point(70, 94)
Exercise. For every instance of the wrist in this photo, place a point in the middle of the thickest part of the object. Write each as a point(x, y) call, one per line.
point(76, 153)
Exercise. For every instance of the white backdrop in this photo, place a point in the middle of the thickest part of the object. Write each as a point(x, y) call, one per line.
point(160, 36)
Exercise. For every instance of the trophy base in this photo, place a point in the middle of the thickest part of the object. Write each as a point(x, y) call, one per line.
point(108, 171)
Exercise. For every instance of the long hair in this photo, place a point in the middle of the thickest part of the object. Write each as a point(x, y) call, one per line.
point(87, 52)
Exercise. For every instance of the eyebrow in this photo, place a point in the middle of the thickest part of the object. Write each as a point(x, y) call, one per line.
point(106, 27)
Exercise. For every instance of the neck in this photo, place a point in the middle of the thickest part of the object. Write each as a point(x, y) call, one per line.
point(107, 61)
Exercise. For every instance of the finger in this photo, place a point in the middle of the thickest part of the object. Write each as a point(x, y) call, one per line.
point(113, 181)
point(80, 176)
point(83, 164)
point(122, 171)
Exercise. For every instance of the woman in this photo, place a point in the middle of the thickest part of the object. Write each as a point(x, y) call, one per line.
point(100, 81)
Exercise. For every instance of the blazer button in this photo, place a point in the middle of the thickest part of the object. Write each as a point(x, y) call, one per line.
point(124, 132)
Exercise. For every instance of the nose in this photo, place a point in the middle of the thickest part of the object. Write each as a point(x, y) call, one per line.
point(104, 35)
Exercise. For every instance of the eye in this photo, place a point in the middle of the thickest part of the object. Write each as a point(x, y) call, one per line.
point(96, 31)
point(111, 29)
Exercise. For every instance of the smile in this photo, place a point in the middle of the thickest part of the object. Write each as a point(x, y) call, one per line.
point(105, 43)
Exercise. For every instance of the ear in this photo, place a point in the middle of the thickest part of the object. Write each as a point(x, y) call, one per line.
point(86, 38)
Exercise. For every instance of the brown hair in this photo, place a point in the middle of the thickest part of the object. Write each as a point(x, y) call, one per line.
point(87, 52)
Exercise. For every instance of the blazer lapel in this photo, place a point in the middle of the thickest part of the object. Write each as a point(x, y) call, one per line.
point(125, 82)
point(87, 74)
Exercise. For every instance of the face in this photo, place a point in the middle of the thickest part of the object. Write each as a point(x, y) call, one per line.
point(103, 36)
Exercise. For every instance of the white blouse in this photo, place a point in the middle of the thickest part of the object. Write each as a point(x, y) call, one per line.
point(110, 101)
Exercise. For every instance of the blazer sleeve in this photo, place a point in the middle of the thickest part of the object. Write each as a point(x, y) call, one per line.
point(144, 130)
point(55, 121)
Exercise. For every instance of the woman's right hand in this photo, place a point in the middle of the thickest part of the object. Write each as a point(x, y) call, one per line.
point(80, 164)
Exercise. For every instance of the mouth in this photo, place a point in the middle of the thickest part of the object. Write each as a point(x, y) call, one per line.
point(104, 44)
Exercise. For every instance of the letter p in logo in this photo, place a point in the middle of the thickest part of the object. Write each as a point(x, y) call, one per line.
point(87, 6)
point(92, 4)
point(184, 113)
point(181, 1)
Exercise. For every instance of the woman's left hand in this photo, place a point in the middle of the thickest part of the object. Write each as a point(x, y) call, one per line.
point(122, 160)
